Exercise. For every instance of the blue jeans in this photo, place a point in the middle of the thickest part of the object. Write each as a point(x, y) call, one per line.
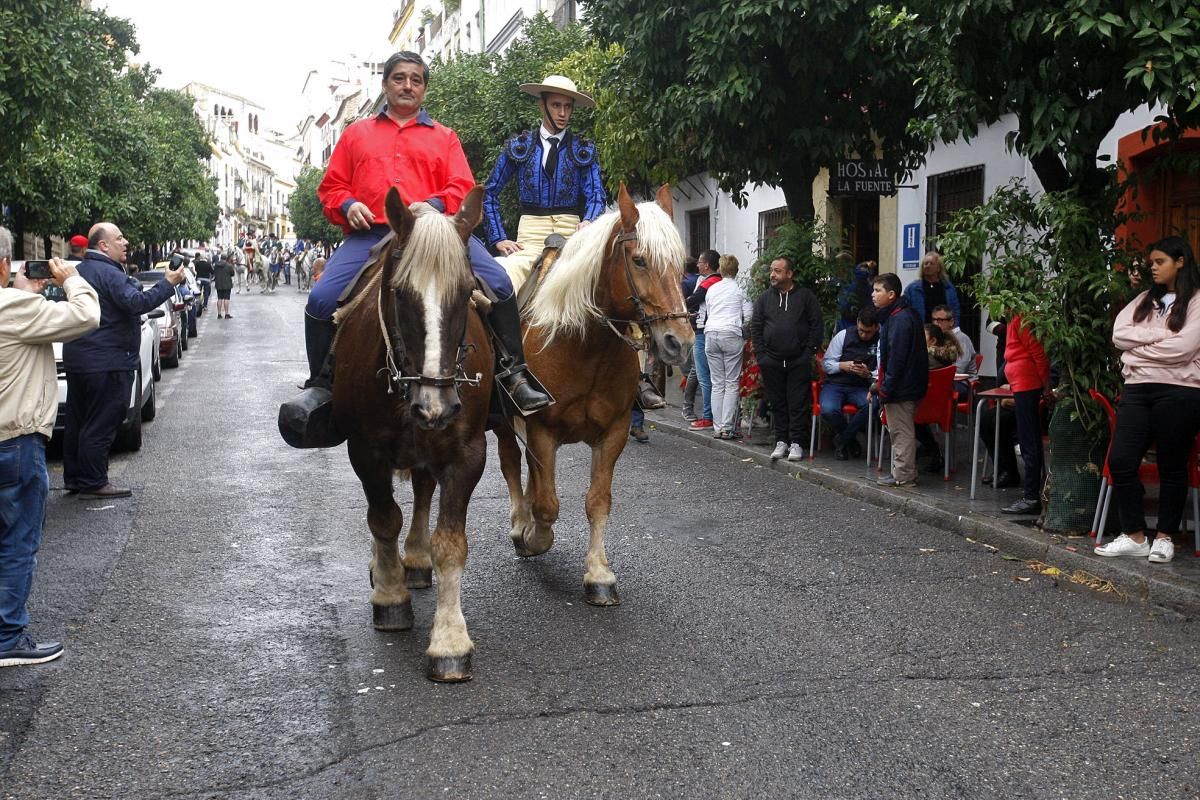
point(638, 419)
point(347, 261)
point(836, 395)
point(703, 377)
point(24, 485)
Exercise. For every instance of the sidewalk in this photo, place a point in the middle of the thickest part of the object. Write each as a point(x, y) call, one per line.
point(947, 505)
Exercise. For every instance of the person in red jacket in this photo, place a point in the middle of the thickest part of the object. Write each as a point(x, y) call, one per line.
point(1028, 373)
point(401, 147)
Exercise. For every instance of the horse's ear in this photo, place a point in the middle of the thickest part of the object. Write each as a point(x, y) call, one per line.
point(399, 217)
point(470, 213)
point(629, 212)
point(664, 199)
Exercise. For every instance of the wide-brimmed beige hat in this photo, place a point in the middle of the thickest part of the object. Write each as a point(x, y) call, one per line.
point(559, 84)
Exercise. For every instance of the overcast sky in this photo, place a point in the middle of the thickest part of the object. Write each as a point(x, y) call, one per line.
point(260, 50)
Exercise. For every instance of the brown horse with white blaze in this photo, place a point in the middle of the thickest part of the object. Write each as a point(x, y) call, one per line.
point(623, 269)
point(411, 388)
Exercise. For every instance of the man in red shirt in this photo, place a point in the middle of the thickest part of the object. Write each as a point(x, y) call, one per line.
point(401, 146)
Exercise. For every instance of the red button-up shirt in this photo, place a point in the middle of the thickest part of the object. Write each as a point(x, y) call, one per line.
point(423, 159)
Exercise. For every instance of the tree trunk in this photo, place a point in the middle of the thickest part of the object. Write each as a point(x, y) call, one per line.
point(47, 244)
point(797, 185)
point(18, 233)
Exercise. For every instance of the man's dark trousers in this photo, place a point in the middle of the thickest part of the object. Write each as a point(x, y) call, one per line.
point(96, 405)
point(789, 391)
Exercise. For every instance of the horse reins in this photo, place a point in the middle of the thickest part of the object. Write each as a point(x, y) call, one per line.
point(393, 343)
point(638, 304)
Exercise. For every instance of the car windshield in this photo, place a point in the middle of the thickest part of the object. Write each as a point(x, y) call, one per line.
point(150, 276)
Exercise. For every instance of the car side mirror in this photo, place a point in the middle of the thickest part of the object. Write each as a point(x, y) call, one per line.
point(156, 313)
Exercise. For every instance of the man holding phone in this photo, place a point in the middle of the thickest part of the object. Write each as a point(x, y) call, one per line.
point(849, 364)
point(28, 325)
point(101, 366)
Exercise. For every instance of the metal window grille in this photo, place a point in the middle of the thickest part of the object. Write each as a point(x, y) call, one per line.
point(768, 225)
point(698, 231)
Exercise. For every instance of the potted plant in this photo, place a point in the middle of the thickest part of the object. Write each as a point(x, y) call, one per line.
point(1061, 268)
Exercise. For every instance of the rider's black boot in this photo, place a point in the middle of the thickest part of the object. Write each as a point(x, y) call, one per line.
point(307, 420)
point(647, 395)
point(506, 327)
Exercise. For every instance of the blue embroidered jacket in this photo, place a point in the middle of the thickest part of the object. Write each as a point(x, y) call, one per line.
point(575, 184)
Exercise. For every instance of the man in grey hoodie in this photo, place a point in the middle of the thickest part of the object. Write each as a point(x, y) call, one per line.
point(786, 330)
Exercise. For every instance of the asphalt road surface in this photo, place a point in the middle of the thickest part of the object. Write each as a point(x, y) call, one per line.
point(776, 639)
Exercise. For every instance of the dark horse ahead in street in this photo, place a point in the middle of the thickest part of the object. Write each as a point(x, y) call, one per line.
point(623, 269)
point(411, 388)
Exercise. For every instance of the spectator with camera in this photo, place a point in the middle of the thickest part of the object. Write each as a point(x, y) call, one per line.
point(28, 325)
point(101, 366)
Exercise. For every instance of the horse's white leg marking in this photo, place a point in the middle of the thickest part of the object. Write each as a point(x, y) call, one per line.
point(449, 636)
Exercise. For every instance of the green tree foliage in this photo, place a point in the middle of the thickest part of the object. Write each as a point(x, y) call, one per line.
point(1046, 263)
point(767, 91)
point(305, 209)
point(87, 138)
point(1067, 69)
point(56, 56)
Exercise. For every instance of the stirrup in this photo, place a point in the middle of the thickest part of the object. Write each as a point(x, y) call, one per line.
point(525, 378)
point(648, 397)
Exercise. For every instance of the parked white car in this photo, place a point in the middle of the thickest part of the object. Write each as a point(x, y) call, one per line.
point(141, 397)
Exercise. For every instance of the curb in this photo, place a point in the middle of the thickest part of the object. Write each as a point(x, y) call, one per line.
point(1152, 586)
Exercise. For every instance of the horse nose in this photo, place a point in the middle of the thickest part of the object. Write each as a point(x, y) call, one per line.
point(433, 413)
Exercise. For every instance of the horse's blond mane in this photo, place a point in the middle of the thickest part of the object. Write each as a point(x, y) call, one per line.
point(565, 302)
point(434, 262)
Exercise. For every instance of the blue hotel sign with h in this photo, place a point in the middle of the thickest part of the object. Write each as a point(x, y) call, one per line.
point(912, 246)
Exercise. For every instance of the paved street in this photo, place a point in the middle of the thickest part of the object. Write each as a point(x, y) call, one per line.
point(776, 639)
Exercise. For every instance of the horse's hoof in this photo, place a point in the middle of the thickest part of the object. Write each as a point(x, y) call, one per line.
point(601, 594)
point(392, 618)
point(449, 669)
point(523, 549)
point(418, 577)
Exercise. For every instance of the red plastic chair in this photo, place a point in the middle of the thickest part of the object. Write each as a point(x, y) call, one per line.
point(966, 405)
point(1147, 473)
point(936, 408)
point(814, 437)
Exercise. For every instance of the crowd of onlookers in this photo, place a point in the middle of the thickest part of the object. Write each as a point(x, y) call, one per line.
point(887, 342)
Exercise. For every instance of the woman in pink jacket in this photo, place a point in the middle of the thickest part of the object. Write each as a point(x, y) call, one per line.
point(1158, 335)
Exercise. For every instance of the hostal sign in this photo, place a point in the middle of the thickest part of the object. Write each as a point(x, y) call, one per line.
point(860, 178)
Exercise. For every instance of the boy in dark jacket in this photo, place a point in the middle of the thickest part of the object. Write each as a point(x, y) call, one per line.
point(786, 330)
point(903, 374)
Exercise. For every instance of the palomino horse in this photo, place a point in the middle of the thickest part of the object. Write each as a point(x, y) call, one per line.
point(401, 395)
point(624, 268)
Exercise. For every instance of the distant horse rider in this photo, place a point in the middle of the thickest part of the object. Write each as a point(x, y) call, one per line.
point(401, 146)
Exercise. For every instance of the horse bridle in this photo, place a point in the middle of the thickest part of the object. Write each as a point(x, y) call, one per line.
point(393, 342)
point(639, 305)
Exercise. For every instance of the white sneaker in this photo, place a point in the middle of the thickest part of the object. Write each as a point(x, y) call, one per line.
point(1124, 546)
point(780, 451)
point(1162, 551)
point(795, 453)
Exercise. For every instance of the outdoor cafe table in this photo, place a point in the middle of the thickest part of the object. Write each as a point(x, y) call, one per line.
point(998, 394)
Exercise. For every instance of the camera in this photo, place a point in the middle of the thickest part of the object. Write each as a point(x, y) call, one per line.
point(37, 270)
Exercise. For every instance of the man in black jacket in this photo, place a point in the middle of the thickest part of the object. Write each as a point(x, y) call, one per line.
point(101, 366)
point(786, 330)
point(903, 374)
